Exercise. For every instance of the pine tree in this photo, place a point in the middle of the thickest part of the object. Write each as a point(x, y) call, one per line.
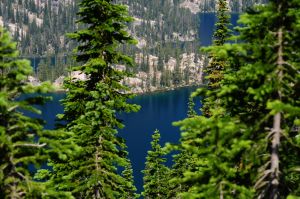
point(191, 107)
point(91, 105)
point(155, 172)
point(268, 75)
point(130, 190)
point(216, 66)
point(186, 161)
point(16, 129)
point(183, 162)
point(248, 148)
point(23, 142)
point(17, 146)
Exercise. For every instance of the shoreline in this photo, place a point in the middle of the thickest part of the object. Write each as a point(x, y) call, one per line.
point(158, 90)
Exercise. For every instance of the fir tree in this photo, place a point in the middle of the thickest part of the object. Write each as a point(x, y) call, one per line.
point(91, 105)
point(23, 142)
point(17, 146)
point(155, 173)
point(186, 161)
point(191, 107)
point(130, 190)
point(216, 66)
point(268, 76)
point(183, 161)
point(248, 148)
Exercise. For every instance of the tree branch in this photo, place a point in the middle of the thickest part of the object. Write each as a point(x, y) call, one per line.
point(30, 145)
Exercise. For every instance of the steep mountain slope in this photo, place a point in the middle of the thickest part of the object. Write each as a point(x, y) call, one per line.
point(39, 26)
point(167, 51)
point(210, 5)
point(166, 55)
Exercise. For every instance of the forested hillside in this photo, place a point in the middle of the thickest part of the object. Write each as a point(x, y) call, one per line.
point(39, 26)
point(211, 5)
point(166, 55)
point(167, 52)
point(47, 21)
point(243, 141)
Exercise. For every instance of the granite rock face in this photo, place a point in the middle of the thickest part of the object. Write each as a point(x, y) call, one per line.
point(196, 6)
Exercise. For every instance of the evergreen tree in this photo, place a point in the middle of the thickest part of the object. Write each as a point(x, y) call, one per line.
point(248, 147)
point(216, 66)
point(155, 173)
point(18, 148)
point(186, 161)
point(23, 142)
point(268, 76)
point(183, 161)
point(191, 107)
point(91, 105)
point(130, 190)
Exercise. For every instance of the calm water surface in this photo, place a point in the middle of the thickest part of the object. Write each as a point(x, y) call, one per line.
point(207, 23)
point(158, 111)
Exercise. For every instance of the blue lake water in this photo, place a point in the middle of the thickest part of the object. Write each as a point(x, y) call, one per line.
point(207, 23)
point(158, 111)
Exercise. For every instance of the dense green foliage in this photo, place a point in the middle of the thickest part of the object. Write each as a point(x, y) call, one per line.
point(248, 146)
point(245, 145)
point(24, 145)
point(91, 106)
point(155, 172)
point(187, 160)
point(18, 149)
point(215, 68)
point(130, 189)
point(191, 107)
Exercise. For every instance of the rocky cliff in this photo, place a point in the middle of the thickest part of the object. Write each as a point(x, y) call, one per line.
point(196, 6)
point(167, 54)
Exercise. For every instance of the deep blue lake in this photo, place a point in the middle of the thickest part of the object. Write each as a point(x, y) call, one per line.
point(207, 23)
point(158, 111)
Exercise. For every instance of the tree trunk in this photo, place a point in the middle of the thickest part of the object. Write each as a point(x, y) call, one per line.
point(277, 126)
